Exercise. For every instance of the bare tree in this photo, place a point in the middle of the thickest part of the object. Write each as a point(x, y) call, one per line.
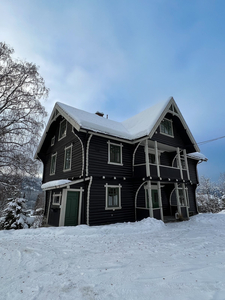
point(21, 116)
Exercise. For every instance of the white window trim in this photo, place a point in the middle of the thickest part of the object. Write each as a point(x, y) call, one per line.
point(57, 195)
point(152, 151)
point(53, 141)
point(55, 154)
point(182, 158)
point(65, 170)
point(154, 187)
point(171, 127)
point(121, 153)
point(59, 138)
point(106, 196)
point(187, 196)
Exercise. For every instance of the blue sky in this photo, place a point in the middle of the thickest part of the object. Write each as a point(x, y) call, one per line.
point(122, 56)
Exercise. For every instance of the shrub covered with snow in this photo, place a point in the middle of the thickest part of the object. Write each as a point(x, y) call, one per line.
point(15, 216)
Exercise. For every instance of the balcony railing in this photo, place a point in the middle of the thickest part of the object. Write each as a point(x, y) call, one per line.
point(165, 172)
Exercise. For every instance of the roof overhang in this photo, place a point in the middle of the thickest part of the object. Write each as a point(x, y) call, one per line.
point(51, 120)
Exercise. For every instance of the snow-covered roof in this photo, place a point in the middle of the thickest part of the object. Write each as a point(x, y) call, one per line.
point(55, 184)
point(197, 156)
point(94, 122)
point(141, 125)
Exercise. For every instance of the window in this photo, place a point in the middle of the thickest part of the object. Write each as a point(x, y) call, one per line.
point(166, 127)
point(53, 141)
point(176, 163)
point(113, 196)
point(152, 157)
point(56, 199)
point(183, 164)
point(53, 164)
point(181, 196)
point(67, 158)
point(62, 129)
point(115, 153)
point(155, 198)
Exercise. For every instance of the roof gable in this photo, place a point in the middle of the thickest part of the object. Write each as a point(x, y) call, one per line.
point(141, 125)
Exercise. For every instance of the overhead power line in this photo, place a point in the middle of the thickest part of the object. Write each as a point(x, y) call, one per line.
point(209, 141)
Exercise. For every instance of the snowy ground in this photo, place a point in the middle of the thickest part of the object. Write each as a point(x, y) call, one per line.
point(144, 260)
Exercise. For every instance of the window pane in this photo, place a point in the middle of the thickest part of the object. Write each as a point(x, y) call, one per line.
point(113, 197)
point(53, 163)
point(115, 154)
point(53, 141)
point(155, 198)
point(67, 163)
point(181, 197)
point(151, 158)
point(62, 129)
point(166, 127)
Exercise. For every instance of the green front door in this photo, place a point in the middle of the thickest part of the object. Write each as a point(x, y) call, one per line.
point(72, 208)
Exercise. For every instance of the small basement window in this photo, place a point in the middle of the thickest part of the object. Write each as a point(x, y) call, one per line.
point(67, 158)
point(113, 197)
point(166, 127)
point(115, 153)
point(62, 129)
point(53, 164)
point(56, 199)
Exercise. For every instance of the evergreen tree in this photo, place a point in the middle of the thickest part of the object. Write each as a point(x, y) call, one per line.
point(14, 215)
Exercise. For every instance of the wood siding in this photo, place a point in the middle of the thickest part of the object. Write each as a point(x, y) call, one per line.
point(98, 159)
point(59, 148)
point(97, 212)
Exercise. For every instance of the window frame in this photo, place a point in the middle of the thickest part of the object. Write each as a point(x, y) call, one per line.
point(55, 195)
point(51, 162)
point(164, 133)
point(64, 161)
point(107, 187)
point(109, 153)
point(53, 141)
point(152, 152)
point(187, 197)
point(174, 191)
point(155, 189)
point(60, 126)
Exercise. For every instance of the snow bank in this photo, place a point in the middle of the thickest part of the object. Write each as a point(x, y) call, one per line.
point(144, 260)
point(216, 219)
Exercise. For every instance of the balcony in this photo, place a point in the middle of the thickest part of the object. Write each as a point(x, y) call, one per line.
point(165, 172)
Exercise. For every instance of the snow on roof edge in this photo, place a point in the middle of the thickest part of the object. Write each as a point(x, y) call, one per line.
point(54, 183)
point(197, 156)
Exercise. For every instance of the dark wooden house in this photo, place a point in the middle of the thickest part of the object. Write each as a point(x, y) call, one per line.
point(98, 171)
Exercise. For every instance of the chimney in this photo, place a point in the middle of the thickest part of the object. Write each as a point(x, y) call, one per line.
point(100, 114)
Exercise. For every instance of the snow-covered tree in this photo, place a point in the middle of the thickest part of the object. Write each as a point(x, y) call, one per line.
point(14, 215)
point(209, 196)
point(21, 115)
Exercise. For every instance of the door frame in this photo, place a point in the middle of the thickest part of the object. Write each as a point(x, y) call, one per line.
point(63, 205)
